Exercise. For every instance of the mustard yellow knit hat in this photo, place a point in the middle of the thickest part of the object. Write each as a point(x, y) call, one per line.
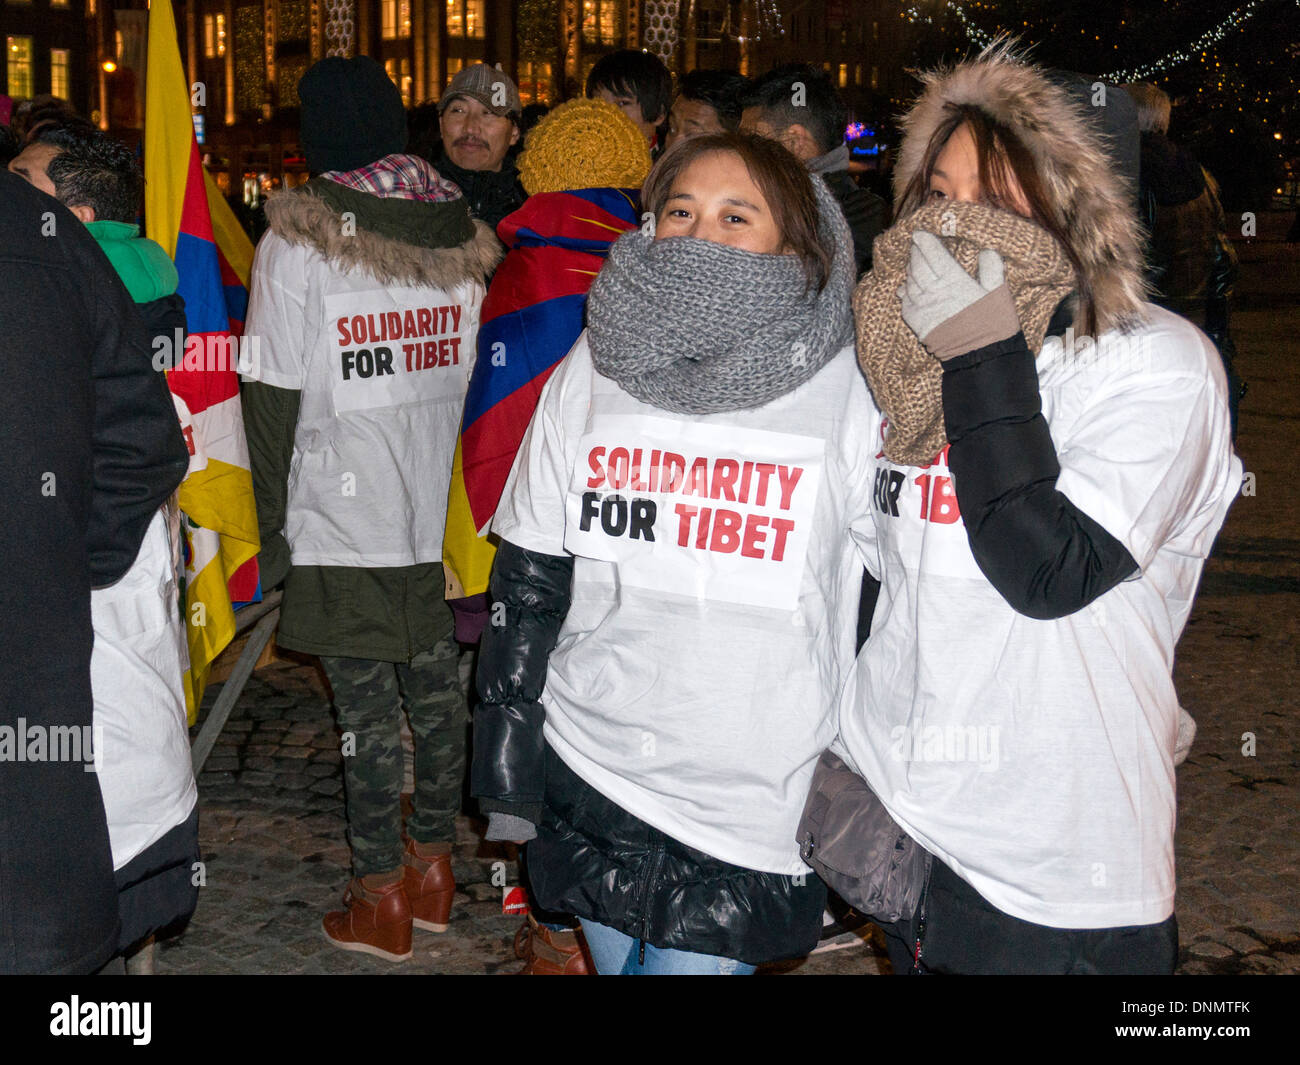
point(584, 144)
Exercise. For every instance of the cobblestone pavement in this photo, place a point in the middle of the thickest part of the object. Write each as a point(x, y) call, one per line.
point(271, 795)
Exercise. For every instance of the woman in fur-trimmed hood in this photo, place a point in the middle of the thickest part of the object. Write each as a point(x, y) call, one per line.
point(1083, 191)
point(1055, 464)
point(365, 301)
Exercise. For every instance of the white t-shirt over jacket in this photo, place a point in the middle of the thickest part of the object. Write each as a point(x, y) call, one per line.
point(1035, 757)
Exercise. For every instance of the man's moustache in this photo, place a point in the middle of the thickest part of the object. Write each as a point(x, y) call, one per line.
point(470, 142)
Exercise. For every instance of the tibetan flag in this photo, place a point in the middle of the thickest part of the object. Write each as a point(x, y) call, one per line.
point(531, 317)
point(184, 212)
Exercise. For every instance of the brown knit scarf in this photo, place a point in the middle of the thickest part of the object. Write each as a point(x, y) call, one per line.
point(905, 378)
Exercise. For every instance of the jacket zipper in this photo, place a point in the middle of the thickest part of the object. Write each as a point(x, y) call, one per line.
point(655, 861)
point(920, 928)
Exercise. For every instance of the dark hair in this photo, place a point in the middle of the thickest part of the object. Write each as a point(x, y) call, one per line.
point(719, 89)
point(529, 117)
point(424, 134)
point(821, 112)
point(94, 170)
point(9, 145)
point(781, 178)
point(42, 110)
point(638, 74)
point(1003, 158)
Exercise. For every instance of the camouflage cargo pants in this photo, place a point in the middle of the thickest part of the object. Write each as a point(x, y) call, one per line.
point(369, 698)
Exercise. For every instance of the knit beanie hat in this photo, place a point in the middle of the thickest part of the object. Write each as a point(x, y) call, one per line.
point(352, 114)
point(584, 144)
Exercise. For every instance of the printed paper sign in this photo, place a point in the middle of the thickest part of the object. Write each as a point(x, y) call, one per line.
point(401, 346)
point(711, 512)
point(916, 508)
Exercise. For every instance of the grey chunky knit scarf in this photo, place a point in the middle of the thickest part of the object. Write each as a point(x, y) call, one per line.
point(694, 327)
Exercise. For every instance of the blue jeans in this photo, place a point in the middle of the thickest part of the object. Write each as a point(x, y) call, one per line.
point(616, 954)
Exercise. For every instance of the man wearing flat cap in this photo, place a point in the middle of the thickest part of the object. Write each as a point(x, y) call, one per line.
point(479, 118)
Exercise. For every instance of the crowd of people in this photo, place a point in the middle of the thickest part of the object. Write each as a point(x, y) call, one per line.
point(786, 528)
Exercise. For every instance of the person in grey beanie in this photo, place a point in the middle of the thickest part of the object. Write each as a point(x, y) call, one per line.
point(674, 592)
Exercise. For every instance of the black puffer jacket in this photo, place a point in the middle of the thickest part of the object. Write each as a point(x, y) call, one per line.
point(591, 857)
point(864, 211)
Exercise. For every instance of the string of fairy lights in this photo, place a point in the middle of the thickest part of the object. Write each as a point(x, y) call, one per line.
point(1183, 55)
point(1210, 37)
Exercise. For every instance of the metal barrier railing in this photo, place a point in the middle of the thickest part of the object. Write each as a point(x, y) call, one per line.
point(261, 618)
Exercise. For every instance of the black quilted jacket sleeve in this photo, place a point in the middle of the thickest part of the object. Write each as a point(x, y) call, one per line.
point(1045, 557)
point(529, 595)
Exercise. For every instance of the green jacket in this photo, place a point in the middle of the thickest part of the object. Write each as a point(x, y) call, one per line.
point(385, 613)
point(145, 269)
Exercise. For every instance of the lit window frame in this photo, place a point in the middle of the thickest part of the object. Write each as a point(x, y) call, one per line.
point(465, 19)
point(21, 73)
point(601, 22)
point(61, 70)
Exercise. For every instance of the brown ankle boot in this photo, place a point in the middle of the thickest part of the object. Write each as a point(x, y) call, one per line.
point(376, 921)
point(429, 887)
point(550, 953)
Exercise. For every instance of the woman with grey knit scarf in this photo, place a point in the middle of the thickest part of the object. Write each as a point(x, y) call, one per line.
point(675, 594)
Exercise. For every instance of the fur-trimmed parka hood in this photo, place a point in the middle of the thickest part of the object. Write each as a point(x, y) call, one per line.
point(1083, 184)
point(440, 245)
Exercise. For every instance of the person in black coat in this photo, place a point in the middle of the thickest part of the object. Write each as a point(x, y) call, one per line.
point(479, 123)
point(93, 450)
point(797, 105)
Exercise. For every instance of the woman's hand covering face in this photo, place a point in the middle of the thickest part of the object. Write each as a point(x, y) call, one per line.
point(937, 289)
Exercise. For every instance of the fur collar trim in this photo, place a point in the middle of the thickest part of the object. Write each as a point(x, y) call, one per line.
point(1082, 183)
point(301, 218)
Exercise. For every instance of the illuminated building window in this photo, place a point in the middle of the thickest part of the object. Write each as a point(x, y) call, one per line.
point(60, 3)
point(600, 21)
point(289, 71)
point(399, 70)
point(60, 64)
point(844, 75)
point(394, 19)
point(214, 35)
point(464, 18)
point(535, 83)
point(18, 54)
point(250, 68)
point(875, 77)
point(857, 73)
point(454, 67)
point(294, 22)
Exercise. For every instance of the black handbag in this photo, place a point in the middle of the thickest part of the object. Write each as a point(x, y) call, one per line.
point(863, 855)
